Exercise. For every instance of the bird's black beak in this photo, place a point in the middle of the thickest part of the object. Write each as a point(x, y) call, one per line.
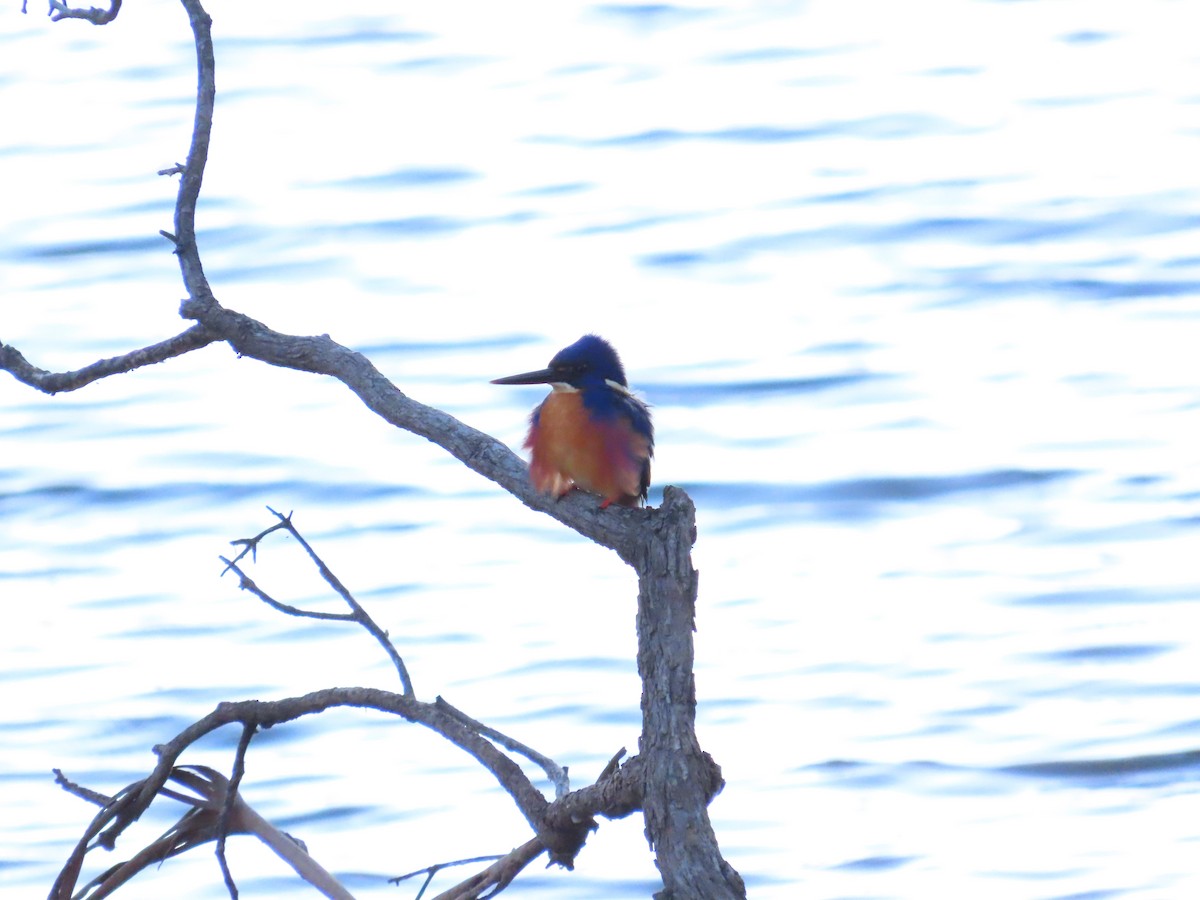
point(541, 376)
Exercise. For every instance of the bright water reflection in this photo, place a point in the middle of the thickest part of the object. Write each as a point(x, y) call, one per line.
point(914, 293)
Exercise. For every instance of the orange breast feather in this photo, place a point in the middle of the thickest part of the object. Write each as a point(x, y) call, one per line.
point(570, 447)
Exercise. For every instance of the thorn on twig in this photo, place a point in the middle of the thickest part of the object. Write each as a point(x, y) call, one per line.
point(250, 544)
point(176, 169)
point(170, 237)
point(79, 790)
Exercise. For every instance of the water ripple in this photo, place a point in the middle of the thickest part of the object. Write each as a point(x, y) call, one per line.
point(1106, 653)
point(648, 15)
point(401, 178)
point(1107, 596)
point(697, 394)
point(913, 489)
point(369, 35)
point(893, 126)
point(66, 499)
point(876, 863)
point(978, 230)
point(1111, 772)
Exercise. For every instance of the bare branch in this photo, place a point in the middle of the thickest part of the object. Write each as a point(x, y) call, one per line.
point(192, 175)
point(60, 11)
point(564, 841)
point(623, 530)
point(430, 871)
point(207, 820)
point(357, 612)
point(250, 544)
point(218, 794)
point(613, 764)
point(671, 778)
point(79, 790)
point(674, 799)
point(556, 773)
point(13, 362)
point(560, 827)
point(614, 528)
point(247, 584)
point(227, 807)
point(497, 876)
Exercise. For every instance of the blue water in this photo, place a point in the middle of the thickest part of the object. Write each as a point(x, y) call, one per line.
point(914, 292)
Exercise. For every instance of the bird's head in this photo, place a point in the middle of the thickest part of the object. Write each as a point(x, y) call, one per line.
point(589, 362)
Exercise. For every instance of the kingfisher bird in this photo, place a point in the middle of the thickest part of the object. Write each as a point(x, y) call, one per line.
point(590, 432)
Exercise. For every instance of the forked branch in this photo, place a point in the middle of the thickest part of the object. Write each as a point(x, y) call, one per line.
point(356, 614)
point(60, 10)
point(670, 778)
point(560, 827)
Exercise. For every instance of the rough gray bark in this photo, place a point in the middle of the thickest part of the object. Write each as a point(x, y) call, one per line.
point(680, 779)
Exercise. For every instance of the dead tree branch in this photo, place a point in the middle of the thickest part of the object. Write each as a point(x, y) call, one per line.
point(12, 361)
point(671, 779)
point(497, 876)
point(430, 871)
point(214, 811)
point(560, 827)
point(229, 801)
point(60, 11)
point(556, 773)
point(563, 838)
point(356, 614)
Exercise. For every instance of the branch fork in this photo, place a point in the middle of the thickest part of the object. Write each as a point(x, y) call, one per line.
point(670, 779)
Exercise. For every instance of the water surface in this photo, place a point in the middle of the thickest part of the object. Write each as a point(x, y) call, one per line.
point(914, 293)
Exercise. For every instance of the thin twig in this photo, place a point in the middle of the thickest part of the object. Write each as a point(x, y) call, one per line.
point(192, 176)
point(231, 798)
point(563, 837)
point(357, 612)
point(247, 584)
point(657, 543)
point(497, 876)
point(613, 764)
point(203, 823)
point(60, 11)
point(360, 615)
point(556, 773)
point(12, 361)
point(430, 871)
point(80, 791)
point(250, 544)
